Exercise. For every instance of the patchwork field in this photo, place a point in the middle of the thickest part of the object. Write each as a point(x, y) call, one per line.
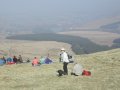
point(98, 37)
point(104, 66)
point(30, 49)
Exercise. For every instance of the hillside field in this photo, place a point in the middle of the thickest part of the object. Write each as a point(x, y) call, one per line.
point(98, 37)
point(30, 49)
point(104, 66)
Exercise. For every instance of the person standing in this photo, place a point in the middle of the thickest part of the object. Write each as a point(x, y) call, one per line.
point(64, 59)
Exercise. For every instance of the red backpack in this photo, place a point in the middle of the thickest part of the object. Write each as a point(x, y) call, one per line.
point(86, 73)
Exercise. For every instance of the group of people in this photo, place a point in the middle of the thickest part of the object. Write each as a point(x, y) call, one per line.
point(18, 60)
point(64, 57)
point(14, 59)
point(77, 69)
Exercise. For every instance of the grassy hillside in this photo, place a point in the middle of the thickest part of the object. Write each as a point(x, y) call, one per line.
point(79, 45)
point(98, 37)
point(104, 66)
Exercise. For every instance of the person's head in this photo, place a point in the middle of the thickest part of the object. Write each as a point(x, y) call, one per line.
point(35, 57)
point(62, 50)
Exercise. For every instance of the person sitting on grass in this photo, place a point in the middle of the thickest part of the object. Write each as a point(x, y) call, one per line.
point(35, 62)
point(20, 60)
point(15, 60)
point(3, 58)
point(77, 69)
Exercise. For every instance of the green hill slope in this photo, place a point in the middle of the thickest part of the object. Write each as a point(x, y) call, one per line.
point(104, 66)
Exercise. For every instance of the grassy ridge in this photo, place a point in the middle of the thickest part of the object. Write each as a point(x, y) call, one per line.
point(79, 45)
point(104, 66)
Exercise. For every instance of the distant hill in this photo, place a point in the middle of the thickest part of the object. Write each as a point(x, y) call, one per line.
point(113, 27)
point(110, 24)
point(97, 24)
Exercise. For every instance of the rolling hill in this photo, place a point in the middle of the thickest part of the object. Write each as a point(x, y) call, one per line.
point(100, 22)
point(98, 37)
point(104, 66)
point(113, 27)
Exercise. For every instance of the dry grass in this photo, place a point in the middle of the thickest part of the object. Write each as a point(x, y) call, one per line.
point(105, 68)
point(99, 37)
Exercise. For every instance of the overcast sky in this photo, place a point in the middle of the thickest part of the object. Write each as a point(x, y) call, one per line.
point(82, 10)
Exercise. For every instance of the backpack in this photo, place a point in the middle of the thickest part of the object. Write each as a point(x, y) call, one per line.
point(60, 72)
point(86, 73)
point(70, 58)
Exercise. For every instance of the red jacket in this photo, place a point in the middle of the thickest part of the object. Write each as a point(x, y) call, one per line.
point(35, 61)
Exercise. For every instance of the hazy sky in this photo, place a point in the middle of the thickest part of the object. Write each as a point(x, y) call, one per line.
point(43, 10)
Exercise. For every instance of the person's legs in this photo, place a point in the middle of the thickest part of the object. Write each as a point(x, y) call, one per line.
point(65, 68)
